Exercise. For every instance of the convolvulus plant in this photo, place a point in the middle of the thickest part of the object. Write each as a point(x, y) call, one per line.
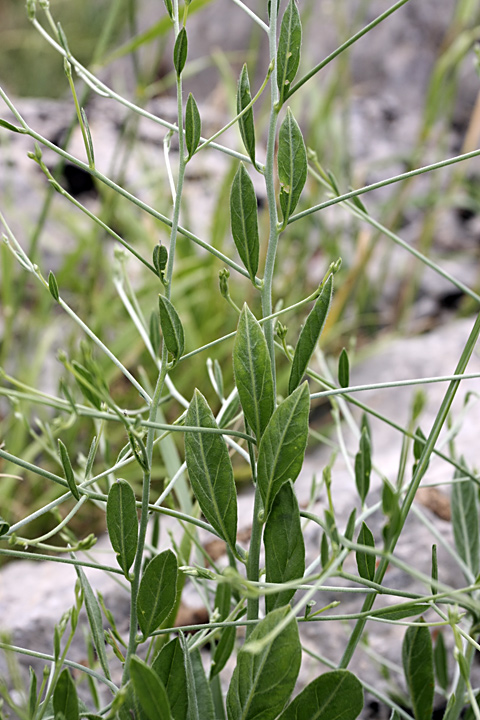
point(244, 661)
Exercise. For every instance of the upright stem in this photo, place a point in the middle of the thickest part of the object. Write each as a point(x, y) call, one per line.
point(132, 645)
point(267, 289)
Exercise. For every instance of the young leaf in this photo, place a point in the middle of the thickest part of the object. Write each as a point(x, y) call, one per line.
point(170, 668)
point(89, 387)
point(9, 126)
point(310, 334)
point(180, 51)
point(243, 217)
point(253, 372)
point(122, 523)
point(363, 467)
point(193, 126)
point(160, 259)
point(53, 286)
point(417, 657)
point(284, 546)
point(157, 591)
point(154, 332)
point(149, 690)
point(223, 650)
point(89, 142)
point(434, 585)
point(464, 501)
point(68, 470)
point(282, 447)
point(365, 561)
point(343, 369)
point(401, 613)
point(210, 471)
point(65, 699)
point(349, 530)
point(288, 54)
point(172, 328)
point(441, 662)
point(292, 164)
point(324, 550)
point(169, 6)
point(262, 682)
point(200, 701)
point(336, 695)
point(32, 692)
point(94, 616)
point(246, 123)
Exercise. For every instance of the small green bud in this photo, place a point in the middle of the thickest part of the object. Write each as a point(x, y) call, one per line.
point(31, 9)
point(281, 331)
point(223, 276)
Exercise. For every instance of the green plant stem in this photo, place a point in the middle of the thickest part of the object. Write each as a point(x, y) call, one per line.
point(393, 384)
point(384, 183)
point(53, 558)
point(344, 46)
point(417, 477)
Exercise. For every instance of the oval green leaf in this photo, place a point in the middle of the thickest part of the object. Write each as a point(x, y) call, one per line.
point(336, 695)
point(292, 164)
point(365, 561)
point(263, 682)
point(210, 471)
point(122, 523)
point(246, 122)
point(243, 218)
point(282, 447)
point(169, 6)
point(417, 657)
point(180, 51)
point(68, 470)
point(53, 286)
point(193, 126)
point(310, 334)
point(284, 545)
point(172, 328)
point(170, 668)
point(288, 54)
point(363, 466)
point(149, 690)
point(343, 369)
point(157, 591)
point(65, 699)
point(253, 372)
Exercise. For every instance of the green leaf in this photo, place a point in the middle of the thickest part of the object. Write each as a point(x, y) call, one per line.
point(292, 164)
point(310, 334)
point(288, 54)
point(157, 591)
point(193, 126)
point(282, 447)
point(441, 662)
point(243, 217)
point(464, 501)
point(169, 6)
point(363, 466)
point(417, 657)
point(350, 528)
point(223, 650)
point(170, 668)
point(149, 690)
point(160, 259)
point(12, 128)
point(253, 372)
point(122, 523)
point(246, 122)
point(81, 373)
point(434, 585)
point(284, 546)
point(401, 613)
point(336, 695)
point(210, 471)
point(343, 369)
point(65, 698)
point(263, 682)
point(180, 51)
point(32, 692)
point(68, 470)
point(365, 562)
point(172, 328)
point(200, 701)
point(324, 550)
point(94, 616)
point(53, 286)
point(4, 526)
point(88, 139)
